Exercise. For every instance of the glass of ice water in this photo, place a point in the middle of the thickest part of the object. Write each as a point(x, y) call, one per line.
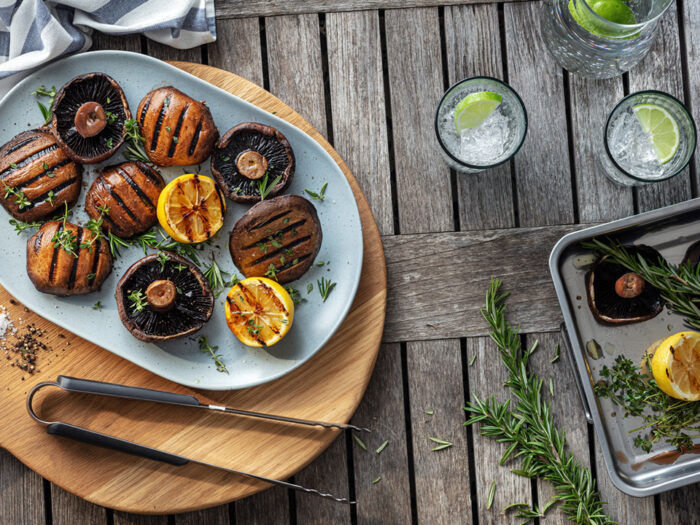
point(495, 139)
point(650, 136)
point(600, 38)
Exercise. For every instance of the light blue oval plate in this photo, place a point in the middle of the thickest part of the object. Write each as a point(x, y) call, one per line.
point(181, 360)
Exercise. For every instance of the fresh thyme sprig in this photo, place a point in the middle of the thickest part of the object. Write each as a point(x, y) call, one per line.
point(325, 287)
point(21, 226)
point(51, 94)
point(679, 286)
point(134, 146)
point(20, 199)
point(206, 348)
point(264, 188)
point(138, 301)
point(676, 421)
point(528, 430)
point(64, 237)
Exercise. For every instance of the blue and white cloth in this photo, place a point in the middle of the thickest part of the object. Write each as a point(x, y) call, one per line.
point(34, 32)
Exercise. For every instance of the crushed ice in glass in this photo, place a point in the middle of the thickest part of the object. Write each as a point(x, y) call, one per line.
point(632, 148)
point(487, 142)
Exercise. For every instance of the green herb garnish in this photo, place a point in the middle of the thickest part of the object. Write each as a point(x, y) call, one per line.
point(206, 348)
point(138, 301)
point(134, 148)
point(264, 188)
point(325, 287)
point(51, 95)
point(20, 199)
point(321, 195)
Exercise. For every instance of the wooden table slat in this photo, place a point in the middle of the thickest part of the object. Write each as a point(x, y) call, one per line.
point(237, 49)
point(691, 27)
point(68, 509)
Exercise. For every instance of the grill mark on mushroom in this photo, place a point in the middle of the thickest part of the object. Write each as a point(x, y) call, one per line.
point(292, 264)
point(118, 200)
point(270, 220)
point(54, 256)
point(159, 123)
point(144, 198)
point(142, 118)
point(278, 251)
point(76, 259)
point(24, 184)
point(150, 173)
point(95, 263)
point(195, 138)
point(34, 156)
point(288, 228)
point(45, 196)
point(20, 144)
point(176, 133)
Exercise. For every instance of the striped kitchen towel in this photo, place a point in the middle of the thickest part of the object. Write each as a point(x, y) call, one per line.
point(34, 32)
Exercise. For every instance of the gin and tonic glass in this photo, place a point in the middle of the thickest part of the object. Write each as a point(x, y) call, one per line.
point(649, 137)
point(600, 38)
point(495, 140)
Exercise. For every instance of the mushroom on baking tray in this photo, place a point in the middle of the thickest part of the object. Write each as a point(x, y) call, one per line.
point(179, 130)
point(163, 296)
point(277, 238)
point(618, 296)
point(692, 255)
point(37, 178)
point(65, 259)
point(249, 154)
point(125, 196)
point(89, 117)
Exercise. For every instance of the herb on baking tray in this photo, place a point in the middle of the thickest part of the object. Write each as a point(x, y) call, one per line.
point(325, 287)
point(206, 348)
point(51, 94)
point(676, 421)
point(264, 188)
point(134, 146)
point(138, 301)
point(527, 428)
point(321, 195)
point(20, 200)
point(21, 226)
point(679, 286)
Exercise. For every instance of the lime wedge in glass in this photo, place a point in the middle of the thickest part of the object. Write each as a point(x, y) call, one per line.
point(662, 129)
point(615, 11)
point(473, 109)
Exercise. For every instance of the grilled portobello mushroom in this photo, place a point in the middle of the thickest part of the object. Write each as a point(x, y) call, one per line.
point(89, 117)
point(179, 130)
point(245, 155)
point(130, 192)
point(37, 178)
point(65, 259)
point(163, 297)
point(277, 238)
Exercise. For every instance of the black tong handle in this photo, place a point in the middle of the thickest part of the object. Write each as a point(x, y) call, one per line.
point(87, 386)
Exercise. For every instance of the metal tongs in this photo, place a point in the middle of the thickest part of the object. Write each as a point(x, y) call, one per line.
point(72, 384)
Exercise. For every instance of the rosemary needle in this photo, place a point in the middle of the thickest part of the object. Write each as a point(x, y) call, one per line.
point(430, 412)
point(374, 482)
point(471, 361)
point(556, 355)
point(360, 442)
point(492, 494)
point(382, 446)
point(551, 386)
point(442, 444)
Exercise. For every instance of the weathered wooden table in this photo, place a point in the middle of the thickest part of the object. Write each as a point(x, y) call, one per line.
point(368, 74)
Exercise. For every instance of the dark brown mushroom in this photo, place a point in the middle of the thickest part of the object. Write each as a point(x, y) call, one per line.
point(125, 197)
point(251, 154)
point(692, 255)
point(618, 296)
point(89, 117)
point(37, 178)
point(277, 238)
point(163, 297)
point(179, 130)
point(65, 259)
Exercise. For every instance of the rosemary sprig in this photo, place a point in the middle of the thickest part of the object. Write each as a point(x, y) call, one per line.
point(138, 301)
point(325, 287)
point(679, 286)
point(215, 277)
point(206, 348)
point(674, 420)
point(115, 243)
point(135, 142)
point(321, 195)
point(527, 429)
point(264, 188)
point(441, 443)
point(51, 94)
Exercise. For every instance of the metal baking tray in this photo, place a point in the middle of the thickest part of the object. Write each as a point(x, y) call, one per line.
point(670, 230)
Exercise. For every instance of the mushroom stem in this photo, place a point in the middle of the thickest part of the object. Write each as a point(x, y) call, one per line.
point(161, 295)
point(629, 286)
point(90, 119)
point(251, 164)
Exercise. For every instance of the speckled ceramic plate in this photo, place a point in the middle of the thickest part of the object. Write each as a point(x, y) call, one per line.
point(180, 360)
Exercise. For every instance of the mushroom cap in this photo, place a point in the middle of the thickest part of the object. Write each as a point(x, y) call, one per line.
point(32, 163)
point(130, 191)
point(194, 302)
point(54, 270)
point(272, 145)
point(283, 234)
point(91, 87)
point(178, 129)
point(692, 255)
point(607, 306)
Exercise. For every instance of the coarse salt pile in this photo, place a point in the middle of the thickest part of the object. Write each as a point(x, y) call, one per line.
point(5, 323)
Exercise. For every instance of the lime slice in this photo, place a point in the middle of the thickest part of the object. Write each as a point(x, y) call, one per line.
point(615, 11)
point(473, 109)
point(661, 127)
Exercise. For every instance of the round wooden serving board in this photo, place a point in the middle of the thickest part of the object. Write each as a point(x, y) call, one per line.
point(329, 387)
